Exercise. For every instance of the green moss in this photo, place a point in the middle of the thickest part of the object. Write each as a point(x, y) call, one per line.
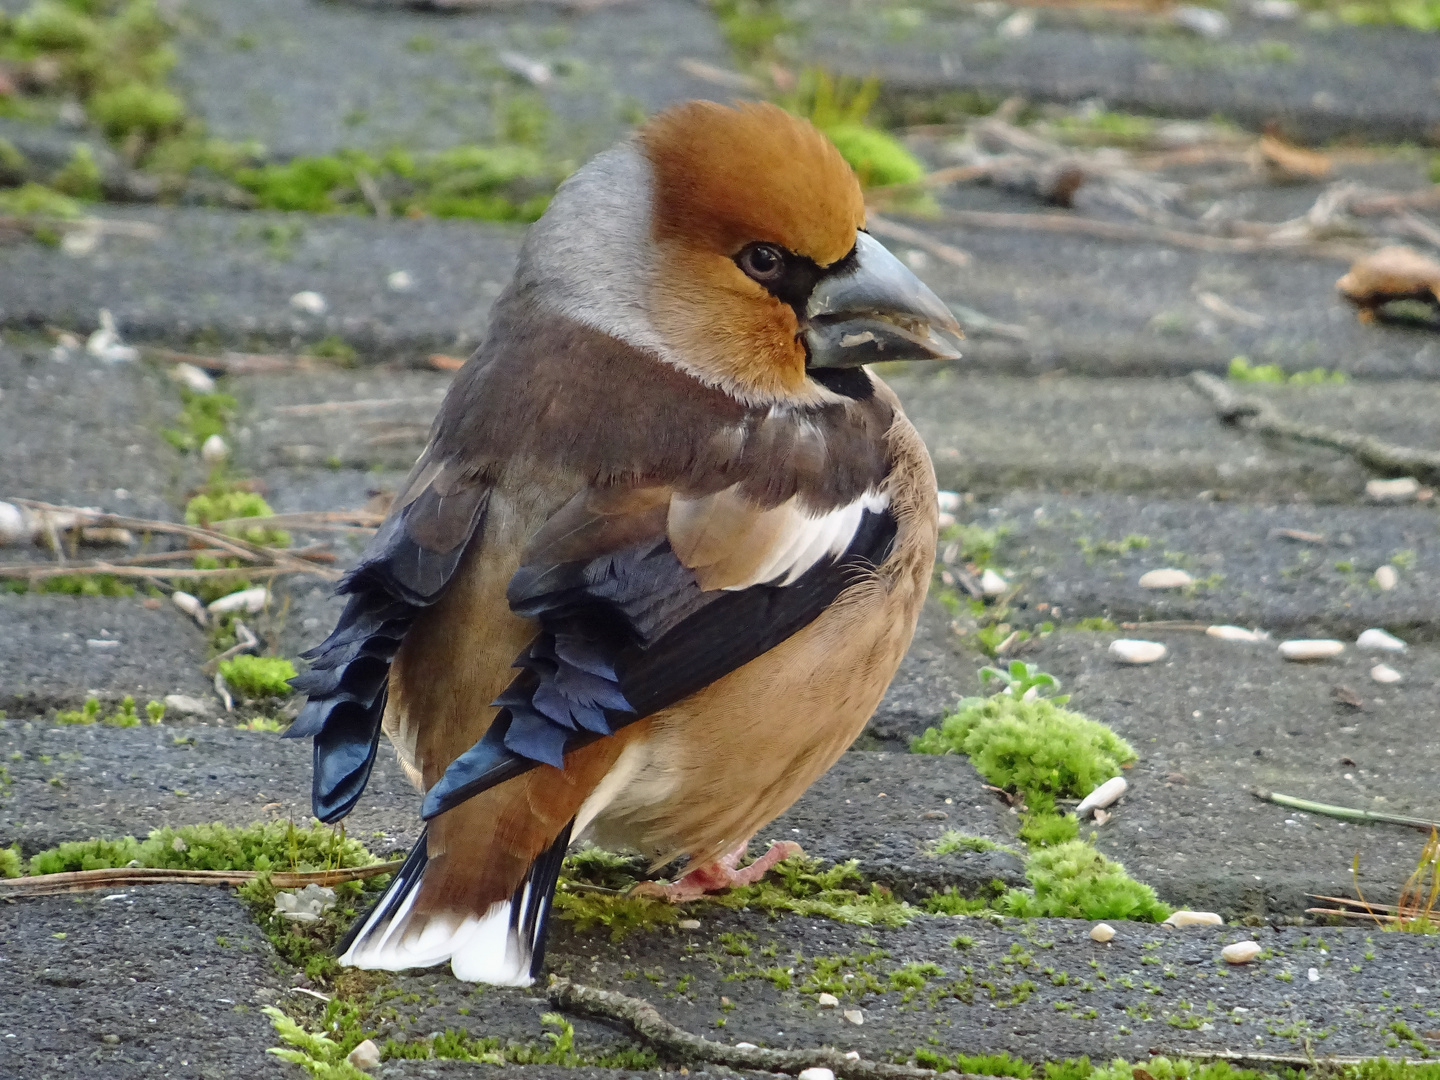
point(259, 676)
point(124, 716)
point(620, 914)
point(262, 723)
point(1241, 370)
point(37, 200)
point(1046, 830)
point(977, 1065)
point(201, 416)
point(952, 842)
point(1124, 129)
point(12, 865)
point(50, 26)
point(800, 886)
point(334, 348)
point(80, 585)
point(221, 502)
point(13, 163)
point(877, 157)
point(315, 1052)
point(80, 177)
point(262, 846)
point(1074, 881)
point(1423, 15)
point(752, 27)
point(1036, 747)
point(135, 108)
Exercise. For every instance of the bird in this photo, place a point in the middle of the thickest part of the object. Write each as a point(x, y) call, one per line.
point(662, 553)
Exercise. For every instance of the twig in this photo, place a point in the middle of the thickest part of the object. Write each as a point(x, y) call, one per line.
point(1170, 624)
point(1150, 234)
point(41, 571)
point(1372, 916)
point(894, 230)
point(371, 190)
point(1366, 904)
point(1258, 415)
point(323, 407)
point(1344, 813)
point(1423, 199)
point(1245, 1059)
point(309, 520)
point(247, 642)
point(680, 1045)
point(125, 877)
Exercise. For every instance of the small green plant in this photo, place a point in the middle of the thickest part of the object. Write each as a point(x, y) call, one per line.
point(12, 864)
point(220, 502)
point(952, 842)
point(124, 716)
point(320, 1056)
point(1021, 679)
point(840, 108)
point(1074, 881)
point(261, 723)
point(259, 676)
point(1241, 370)
point(336, 349)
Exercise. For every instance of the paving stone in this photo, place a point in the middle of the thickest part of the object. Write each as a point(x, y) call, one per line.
point(177, 975)
point(995, 434)
point(1370, 82)
point(81, 432)
point(225, 278)
point(1245, 573)
point(1000, 992)
point(306, 78)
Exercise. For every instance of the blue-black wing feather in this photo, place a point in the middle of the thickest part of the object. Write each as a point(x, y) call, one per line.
point(628, 634)
point(403, 571)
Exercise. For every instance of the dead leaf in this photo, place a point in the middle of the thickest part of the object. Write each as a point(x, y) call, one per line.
point(441, 362)
point(1345, 696)
point(1392, 273)
point(1287, 162)
point(1101, 816)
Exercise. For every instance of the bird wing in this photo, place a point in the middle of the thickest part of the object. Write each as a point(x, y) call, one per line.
point(404, 571)
point(644, 595)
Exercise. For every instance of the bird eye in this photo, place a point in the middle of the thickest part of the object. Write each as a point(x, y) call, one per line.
point(763, 262)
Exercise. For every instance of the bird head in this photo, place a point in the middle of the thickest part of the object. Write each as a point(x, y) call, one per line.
point(738, 253)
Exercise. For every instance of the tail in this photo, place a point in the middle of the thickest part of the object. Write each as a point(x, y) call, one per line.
point(503, 946)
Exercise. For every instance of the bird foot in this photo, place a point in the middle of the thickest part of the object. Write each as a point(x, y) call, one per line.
point(719, 875)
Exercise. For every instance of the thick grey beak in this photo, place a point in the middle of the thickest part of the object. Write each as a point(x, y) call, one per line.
point(876, 310)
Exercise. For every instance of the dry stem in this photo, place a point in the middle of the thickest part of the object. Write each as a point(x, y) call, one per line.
point(125, 877)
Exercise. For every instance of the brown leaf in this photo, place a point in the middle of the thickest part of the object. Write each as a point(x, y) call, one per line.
point(1345, 696)
point(1392, 273)
point(1287, 162)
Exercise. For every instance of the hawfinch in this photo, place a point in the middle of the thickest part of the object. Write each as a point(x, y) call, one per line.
point(663, 551)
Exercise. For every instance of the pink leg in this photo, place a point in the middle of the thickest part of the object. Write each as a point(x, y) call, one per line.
point(718, 875)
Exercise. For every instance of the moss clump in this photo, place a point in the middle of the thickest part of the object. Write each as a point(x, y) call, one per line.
point(1074, 881)
point(800, 886)
point(82, 585)
point(975, 1065)
point(336, 349)
point(259, 676)
point(37, 200)
point(221, 502)
point(952, 842)
point(12, 865)
point(1241, 370)
point(315, 1052)
point(124, 716)
point(1035, 747)
point(201, 416)
point(80, 177)
point(878, 158)
point(261, 847)
point(135, 108)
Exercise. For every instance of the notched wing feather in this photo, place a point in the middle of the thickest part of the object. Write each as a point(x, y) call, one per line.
point(404, 570)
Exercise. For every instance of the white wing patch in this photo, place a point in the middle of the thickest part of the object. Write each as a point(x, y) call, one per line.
point(732, 545)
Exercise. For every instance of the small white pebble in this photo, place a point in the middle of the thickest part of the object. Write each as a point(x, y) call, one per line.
point(311, 303)
point(1386, 577)
point(1377, 640)
point(214, 450)
point(746, 1046)
point(251, 600)
point(102, 643)
point(689, 924)
point(1207, 22)
point(949, 500)
point(192, 378)
point(827, 1001)
point(816, 1072)
point(855, 1016)
point(1313, 974)
point(105, 344)
point(1235, 633)
point(186, 705)
point(366, 1055)
point(14, 525)
point(1132, 651)
point(944, 520)
point(1242, 952)
point(992, 584)
point(1311, 649)
point(1402, 489)
point(1168, 578)
point(399, 281)
point(1102, 932)
point(1384, 673)
point(1102, 796)
point(191, 605)
point(1193, 918)
point(1017, 26)
point(1275, 10)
